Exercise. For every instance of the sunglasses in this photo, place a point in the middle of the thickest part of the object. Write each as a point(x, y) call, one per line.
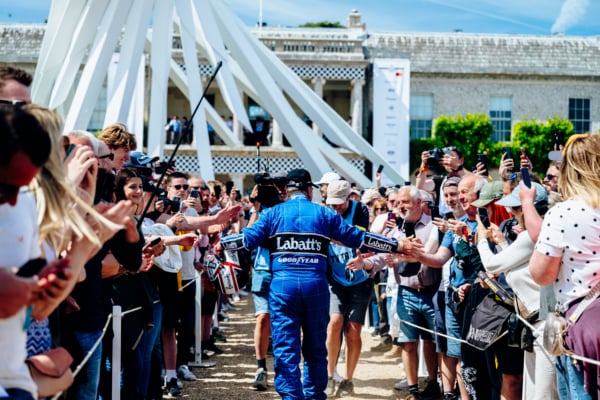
point(110, 156)
point(550, 176)
point(380, 209)
point(16, 103)
point(7, 190)
point(178, 187)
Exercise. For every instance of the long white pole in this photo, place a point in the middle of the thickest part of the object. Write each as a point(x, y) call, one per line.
point(260, 14)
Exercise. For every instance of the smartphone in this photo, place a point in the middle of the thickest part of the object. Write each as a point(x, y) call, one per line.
point(380, 168)
point(31, 267)
point(194, 193)
point(154, 242)
point(481, 158)
point(508, 153)
point(391, 216)
point(435, 211)
point(228, 187)
point(483, 216)
point(238, 195)
point(449, 215)
point(525, 177)
point(218, 191)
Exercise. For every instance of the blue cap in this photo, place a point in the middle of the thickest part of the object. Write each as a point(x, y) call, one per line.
point(513, 199)
point(137, 159)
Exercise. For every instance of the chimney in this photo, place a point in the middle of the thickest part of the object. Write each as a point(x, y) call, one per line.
point(354, 19)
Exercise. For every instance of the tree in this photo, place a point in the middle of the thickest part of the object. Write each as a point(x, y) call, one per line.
point(322, 24)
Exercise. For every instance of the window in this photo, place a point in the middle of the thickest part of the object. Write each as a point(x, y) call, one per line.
point(421, 116)
point(579, 114)
point(97, 118)
point(501, 116)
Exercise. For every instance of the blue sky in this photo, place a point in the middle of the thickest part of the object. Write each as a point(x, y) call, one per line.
point(538, 17)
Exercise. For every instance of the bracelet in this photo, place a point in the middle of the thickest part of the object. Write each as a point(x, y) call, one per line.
point(424, 168)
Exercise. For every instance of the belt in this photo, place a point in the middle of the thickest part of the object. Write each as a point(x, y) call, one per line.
point(427, 290)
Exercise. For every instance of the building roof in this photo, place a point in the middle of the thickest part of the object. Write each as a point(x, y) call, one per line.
point(453, 52)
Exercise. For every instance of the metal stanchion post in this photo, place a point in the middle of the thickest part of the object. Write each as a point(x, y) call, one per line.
point(116, 353)
point(198, 362)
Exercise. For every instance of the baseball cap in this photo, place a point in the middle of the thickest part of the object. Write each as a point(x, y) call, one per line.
point(370, 195)
point(337, 192)
point(329, 177)
point(489, 192)
point(299, 177)
point(513, 199)
point(137, 159)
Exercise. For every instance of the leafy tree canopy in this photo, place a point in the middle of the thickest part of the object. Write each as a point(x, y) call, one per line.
point(322, 24)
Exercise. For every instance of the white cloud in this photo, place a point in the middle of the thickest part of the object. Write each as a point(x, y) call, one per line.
point(571, 13)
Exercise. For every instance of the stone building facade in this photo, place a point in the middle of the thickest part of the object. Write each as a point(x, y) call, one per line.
point(508, 77)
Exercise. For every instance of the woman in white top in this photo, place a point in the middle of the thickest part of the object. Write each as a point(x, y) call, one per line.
point(539, 381)
point(567, 255)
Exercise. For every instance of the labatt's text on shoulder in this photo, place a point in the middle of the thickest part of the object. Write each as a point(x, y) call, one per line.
point(304, 243)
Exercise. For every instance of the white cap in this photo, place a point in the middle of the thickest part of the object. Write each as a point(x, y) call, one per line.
point(329, 177)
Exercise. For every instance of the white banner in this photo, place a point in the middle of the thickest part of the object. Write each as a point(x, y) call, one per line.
point(391, 117)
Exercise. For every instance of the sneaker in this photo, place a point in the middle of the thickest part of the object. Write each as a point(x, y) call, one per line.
point(210, 346)
point(375, 332)
point(432, 391)
point(222, 317)
point(172, 388)
point(402, 384)
point(235, 298)
point(219, 337)
point(394, 352)
point(330, 390)
point(346, 388)
point(382, 347)
point(243, 293)
point(183, 372)
point(260, 380)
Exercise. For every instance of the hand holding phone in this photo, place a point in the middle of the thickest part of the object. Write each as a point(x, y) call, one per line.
point(525, 177)
point(194, 193)
point(483, 216)
point(31, 267)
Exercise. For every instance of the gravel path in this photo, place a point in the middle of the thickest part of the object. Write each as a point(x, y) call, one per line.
point(234, 372)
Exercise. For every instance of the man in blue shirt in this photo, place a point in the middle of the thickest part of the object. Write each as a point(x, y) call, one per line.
point(350, 292)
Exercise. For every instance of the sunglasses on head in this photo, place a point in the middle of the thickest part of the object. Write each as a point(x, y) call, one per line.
point(110, 156)
point(178, 187)
point(16, 103)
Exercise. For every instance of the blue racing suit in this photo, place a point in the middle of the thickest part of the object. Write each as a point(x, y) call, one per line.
point(297, 233)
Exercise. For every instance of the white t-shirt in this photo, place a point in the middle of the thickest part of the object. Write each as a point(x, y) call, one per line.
point(571, 230)
point(188, 272)
point(20, 237)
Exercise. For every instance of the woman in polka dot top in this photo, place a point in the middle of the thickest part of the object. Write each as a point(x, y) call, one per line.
point(567, 255)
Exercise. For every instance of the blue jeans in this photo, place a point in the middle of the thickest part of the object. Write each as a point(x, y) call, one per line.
point(569, 380)
point(150, 338)
point(86, 384)
point(416, 308)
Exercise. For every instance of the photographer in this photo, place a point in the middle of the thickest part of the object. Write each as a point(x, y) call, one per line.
point(449, 159)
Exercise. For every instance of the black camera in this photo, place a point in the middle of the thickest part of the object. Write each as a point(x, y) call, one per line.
point(435, 155)
point(508, 231)
point(163, 166)
point(173, 204)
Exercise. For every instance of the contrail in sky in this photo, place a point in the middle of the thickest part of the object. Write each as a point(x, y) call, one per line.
point(570, 13)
